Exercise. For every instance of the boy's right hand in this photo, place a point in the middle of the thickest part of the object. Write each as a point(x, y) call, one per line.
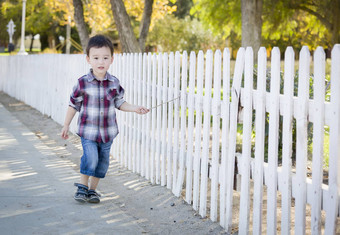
point(64, 132)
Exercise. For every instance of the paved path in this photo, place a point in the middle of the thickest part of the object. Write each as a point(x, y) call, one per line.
point(36, 195)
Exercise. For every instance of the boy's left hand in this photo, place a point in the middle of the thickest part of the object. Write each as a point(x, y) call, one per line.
point(141, 110)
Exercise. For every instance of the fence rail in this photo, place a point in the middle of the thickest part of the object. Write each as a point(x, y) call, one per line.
point(202, 116)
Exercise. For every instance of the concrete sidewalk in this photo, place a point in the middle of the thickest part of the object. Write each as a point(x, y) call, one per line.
point(37, 195)
point(36, 190)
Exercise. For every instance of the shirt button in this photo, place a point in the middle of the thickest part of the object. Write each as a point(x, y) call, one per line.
point(101, 113)
point(101, 99)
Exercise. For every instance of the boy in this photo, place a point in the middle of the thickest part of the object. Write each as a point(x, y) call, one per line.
point(95, 97)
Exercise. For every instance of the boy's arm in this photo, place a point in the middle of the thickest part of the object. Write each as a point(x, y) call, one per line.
point(69, 116)
point(126, 107)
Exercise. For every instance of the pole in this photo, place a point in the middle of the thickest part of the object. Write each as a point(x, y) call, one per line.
point(22, 45)
point(68, 36)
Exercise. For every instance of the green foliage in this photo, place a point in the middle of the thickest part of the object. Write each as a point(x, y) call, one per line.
point(223, 18)
point(173, 34)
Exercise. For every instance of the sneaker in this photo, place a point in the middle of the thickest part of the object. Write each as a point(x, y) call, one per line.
point(81, 194)
point(93, 196)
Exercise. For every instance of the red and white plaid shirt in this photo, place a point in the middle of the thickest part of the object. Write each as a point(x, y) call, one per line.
point(96, 102)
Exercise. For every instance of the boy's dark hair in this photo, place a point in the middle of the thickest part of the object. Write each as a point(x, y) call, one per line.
point(99, 41)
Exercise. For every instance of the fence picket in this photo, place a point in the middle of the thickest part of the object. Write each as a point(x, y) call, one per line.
point(125, 74)
point(183, 156)
point(273, 142)
point(153, 119)
point(246, 142)
point(332, 200)
point(191, 108)
point(259, 141)
point(225, 131)
point(235, 94)
point(139, 102)
point(206, 133)
point(287, 128)
point(148, 118)
point(143, 130)
point(175, 148)
point(164, 118)
point(216, 112)
point(318, 137)
point(135, 116)
point(198, 127)
point(301, 142)
point(170, 121)
point(130, 117)
point(159, 118)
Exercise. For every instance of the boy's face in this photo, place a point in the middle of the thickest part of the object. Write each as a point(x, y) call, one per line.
point(100, 59)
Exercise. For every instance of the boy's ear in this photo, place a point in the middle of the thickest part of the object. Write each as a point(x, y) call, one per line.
point(88, 59)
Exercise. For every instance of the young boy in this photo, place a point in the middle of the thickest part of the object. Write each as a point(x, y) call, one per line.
point(95, 97)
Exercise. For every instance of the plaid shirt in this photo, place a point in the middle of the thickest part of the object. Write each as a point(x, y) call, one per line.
point(96, 102)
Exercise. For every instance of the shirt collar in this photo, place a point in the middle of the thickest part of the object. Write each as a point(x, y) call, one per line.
point(91, 77)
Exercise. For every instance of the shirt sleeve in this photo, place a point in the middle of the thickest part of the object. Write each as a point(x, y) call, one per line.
point(119, 98)
point(76, 97)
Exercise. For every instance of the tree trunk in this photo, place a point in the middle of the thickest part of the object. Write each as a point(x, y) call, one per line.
point(80, 23)
point(126, 35)
point(251, 24)
point(145, 24)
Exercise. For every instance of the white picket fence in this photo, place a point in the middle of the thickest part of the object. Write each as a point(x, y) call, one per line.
point(188, 140)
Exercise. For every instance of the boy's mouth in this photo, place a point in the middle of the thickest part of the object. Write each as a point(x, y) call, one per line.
point(101, 67)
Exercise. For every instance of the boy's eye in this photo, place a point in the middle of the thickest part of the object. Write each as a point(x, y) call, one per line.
point(96, 58)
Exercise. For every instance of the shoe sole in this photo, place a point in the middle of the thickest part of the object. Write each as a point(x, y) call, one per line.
point(82, 200)
point(94, 200)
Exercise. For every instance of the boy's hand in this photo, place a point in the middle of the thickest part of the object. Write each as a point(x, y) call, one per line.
point(64, 132)
point(141, 110)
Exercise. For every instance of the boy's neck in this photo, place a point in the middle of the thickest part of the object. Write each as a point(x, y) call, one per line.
point(100, 78)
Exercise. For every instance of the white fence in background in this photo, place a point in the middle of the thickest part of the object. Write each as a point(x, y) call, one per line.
point(189, 144)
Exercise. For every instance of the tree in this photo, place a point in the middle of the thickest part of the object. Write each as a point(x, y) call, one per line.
point(251, 23)
point(127, 37)
point(80, 22)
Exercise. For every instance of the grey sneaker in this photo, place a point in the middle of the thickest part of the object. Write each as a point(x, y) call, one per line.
point(81, 194)
point(93, 196)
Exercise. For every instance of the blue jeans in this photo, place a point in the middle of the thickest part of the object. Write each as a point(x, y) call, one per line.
point(96, 158)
